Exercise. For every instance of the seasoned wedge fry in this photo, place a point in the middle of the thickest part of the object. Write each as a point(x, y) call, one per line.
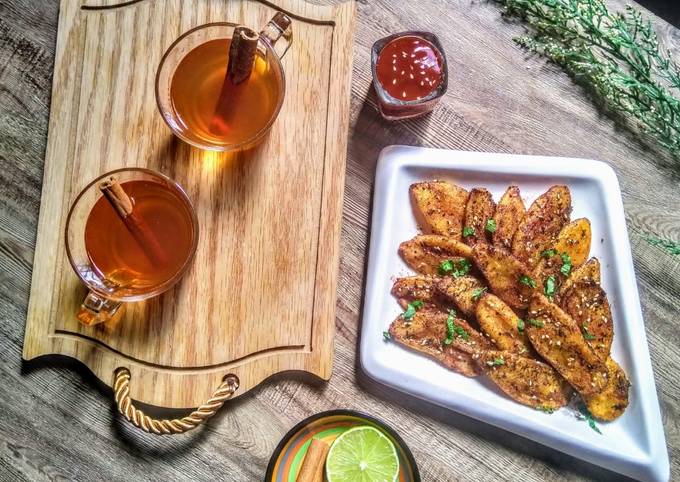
point(426, 332)
point(479, 210)
point(425, 253)
point(525, 380)
point(439, 207)
point(501, 325)
point(543, 222)
point(557, 338)
point(586, 302)
point(507, 277)
point(549, 266)
point(574, 240)
point(613, 400)
point(415, 288)
point(509, 214)
point(570, 251)
point(588, 271)
point(460, 292)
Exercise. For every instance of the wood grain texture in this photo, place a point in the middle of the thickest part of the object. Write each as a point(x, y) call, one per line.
point(260, 295)
point(58, 423)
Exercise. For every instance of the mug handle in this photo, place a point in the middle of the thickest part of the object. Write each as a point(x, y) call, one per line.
point(277, 28)
point(96, 309)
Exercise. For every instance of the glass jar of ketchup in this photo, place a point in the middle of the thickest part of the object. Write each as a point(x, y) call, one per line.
point(409, 74)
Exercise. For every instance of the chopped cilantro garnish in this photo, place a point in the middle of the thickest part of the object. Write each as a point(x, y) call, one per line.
point(455, 268)
point(446, 267)
point(549, 288)
point(411, 309)
point(585, 415)
point(478, 292)
point(549, 253)
point(586, 334)
point(496, 362)
point(536, 323)
point(450, 327)
point(520, 325)
point(566, 264)
point(462, 268)
point(468, 231)
point(453, 330)
point(545, 409)
point(527, 280)
point(386, 335)
point(491, 225)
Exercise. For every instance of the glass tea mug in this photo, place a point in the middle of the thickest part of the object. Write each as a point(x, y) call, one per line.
point(273, 43)
point(92, 230)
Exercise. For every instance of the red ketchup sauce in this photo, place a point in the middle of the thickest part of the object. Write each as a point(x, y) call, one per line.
point(409, 68)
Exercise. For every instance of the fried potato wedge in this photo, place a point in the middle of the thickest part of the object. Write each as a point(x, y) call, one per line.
point(543, 222)
point(570, 251)
point(501, 325)
point(574, 240)
point(613, 400)
point(509, 214)
point(547, 267)
point(425, 253)
point(479, 210)
point(558, 339)
point(586, 302)
point(588, 271)
point(525, 380)
point(503, 272)
point(413, 288)
point(426, 332)
point(439, 207)
point(460, 292)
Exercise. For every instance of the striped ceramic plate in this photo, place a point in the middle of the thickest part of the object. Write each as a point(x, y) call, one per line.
point(288, 455)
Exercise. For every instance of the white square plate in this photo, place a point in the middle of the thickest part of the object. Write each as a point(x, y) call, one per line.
point(634, 444)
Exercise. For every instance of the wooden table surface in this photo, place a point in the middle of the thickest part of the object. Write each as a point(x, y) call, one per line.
point(58, 422)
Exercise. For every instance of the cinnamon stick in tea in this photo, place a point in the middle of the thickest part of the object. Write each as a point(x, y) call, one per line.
point(242, 54)
point(314, 461)
point(140, 230)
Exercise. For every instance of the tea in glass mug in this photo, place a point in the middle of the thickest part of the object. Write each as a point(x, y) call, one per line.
point(130, 235)
point(220, 86)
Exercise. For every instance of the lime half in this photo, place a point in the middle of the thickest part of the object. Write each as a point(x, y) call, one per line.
point(362, 454)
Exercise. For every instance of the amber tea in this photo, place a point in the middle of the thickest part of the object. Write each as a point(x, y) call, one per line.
point(212, 110)
point(134, 263)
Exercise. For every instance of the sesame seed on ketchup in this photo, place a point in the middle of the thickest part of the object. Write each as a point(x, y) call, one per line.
point(409, 68)
point(409, 74)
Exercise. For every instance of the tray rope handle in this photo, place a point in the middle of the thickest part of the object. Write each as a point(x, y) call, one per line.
point(121, 389)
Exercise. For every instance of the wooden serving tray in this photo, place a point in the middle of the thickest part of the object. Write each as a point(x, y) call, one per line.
point(260, 296)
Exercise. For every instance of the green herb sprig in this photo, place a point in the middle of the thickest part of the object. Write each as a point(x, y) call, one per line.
point(549, 287)
point(586, 416)
point(566, 264)
point(453, 330)
point(616, 56)
point(528, 281)
point(670, 246)
point(411, 309)
point(455, 268)
point(478, 292)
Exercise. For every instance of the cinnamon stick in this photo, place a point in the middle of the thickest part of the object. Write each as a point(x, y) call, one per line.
point(242, 53)
point(314, 461)
point(140, 230)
